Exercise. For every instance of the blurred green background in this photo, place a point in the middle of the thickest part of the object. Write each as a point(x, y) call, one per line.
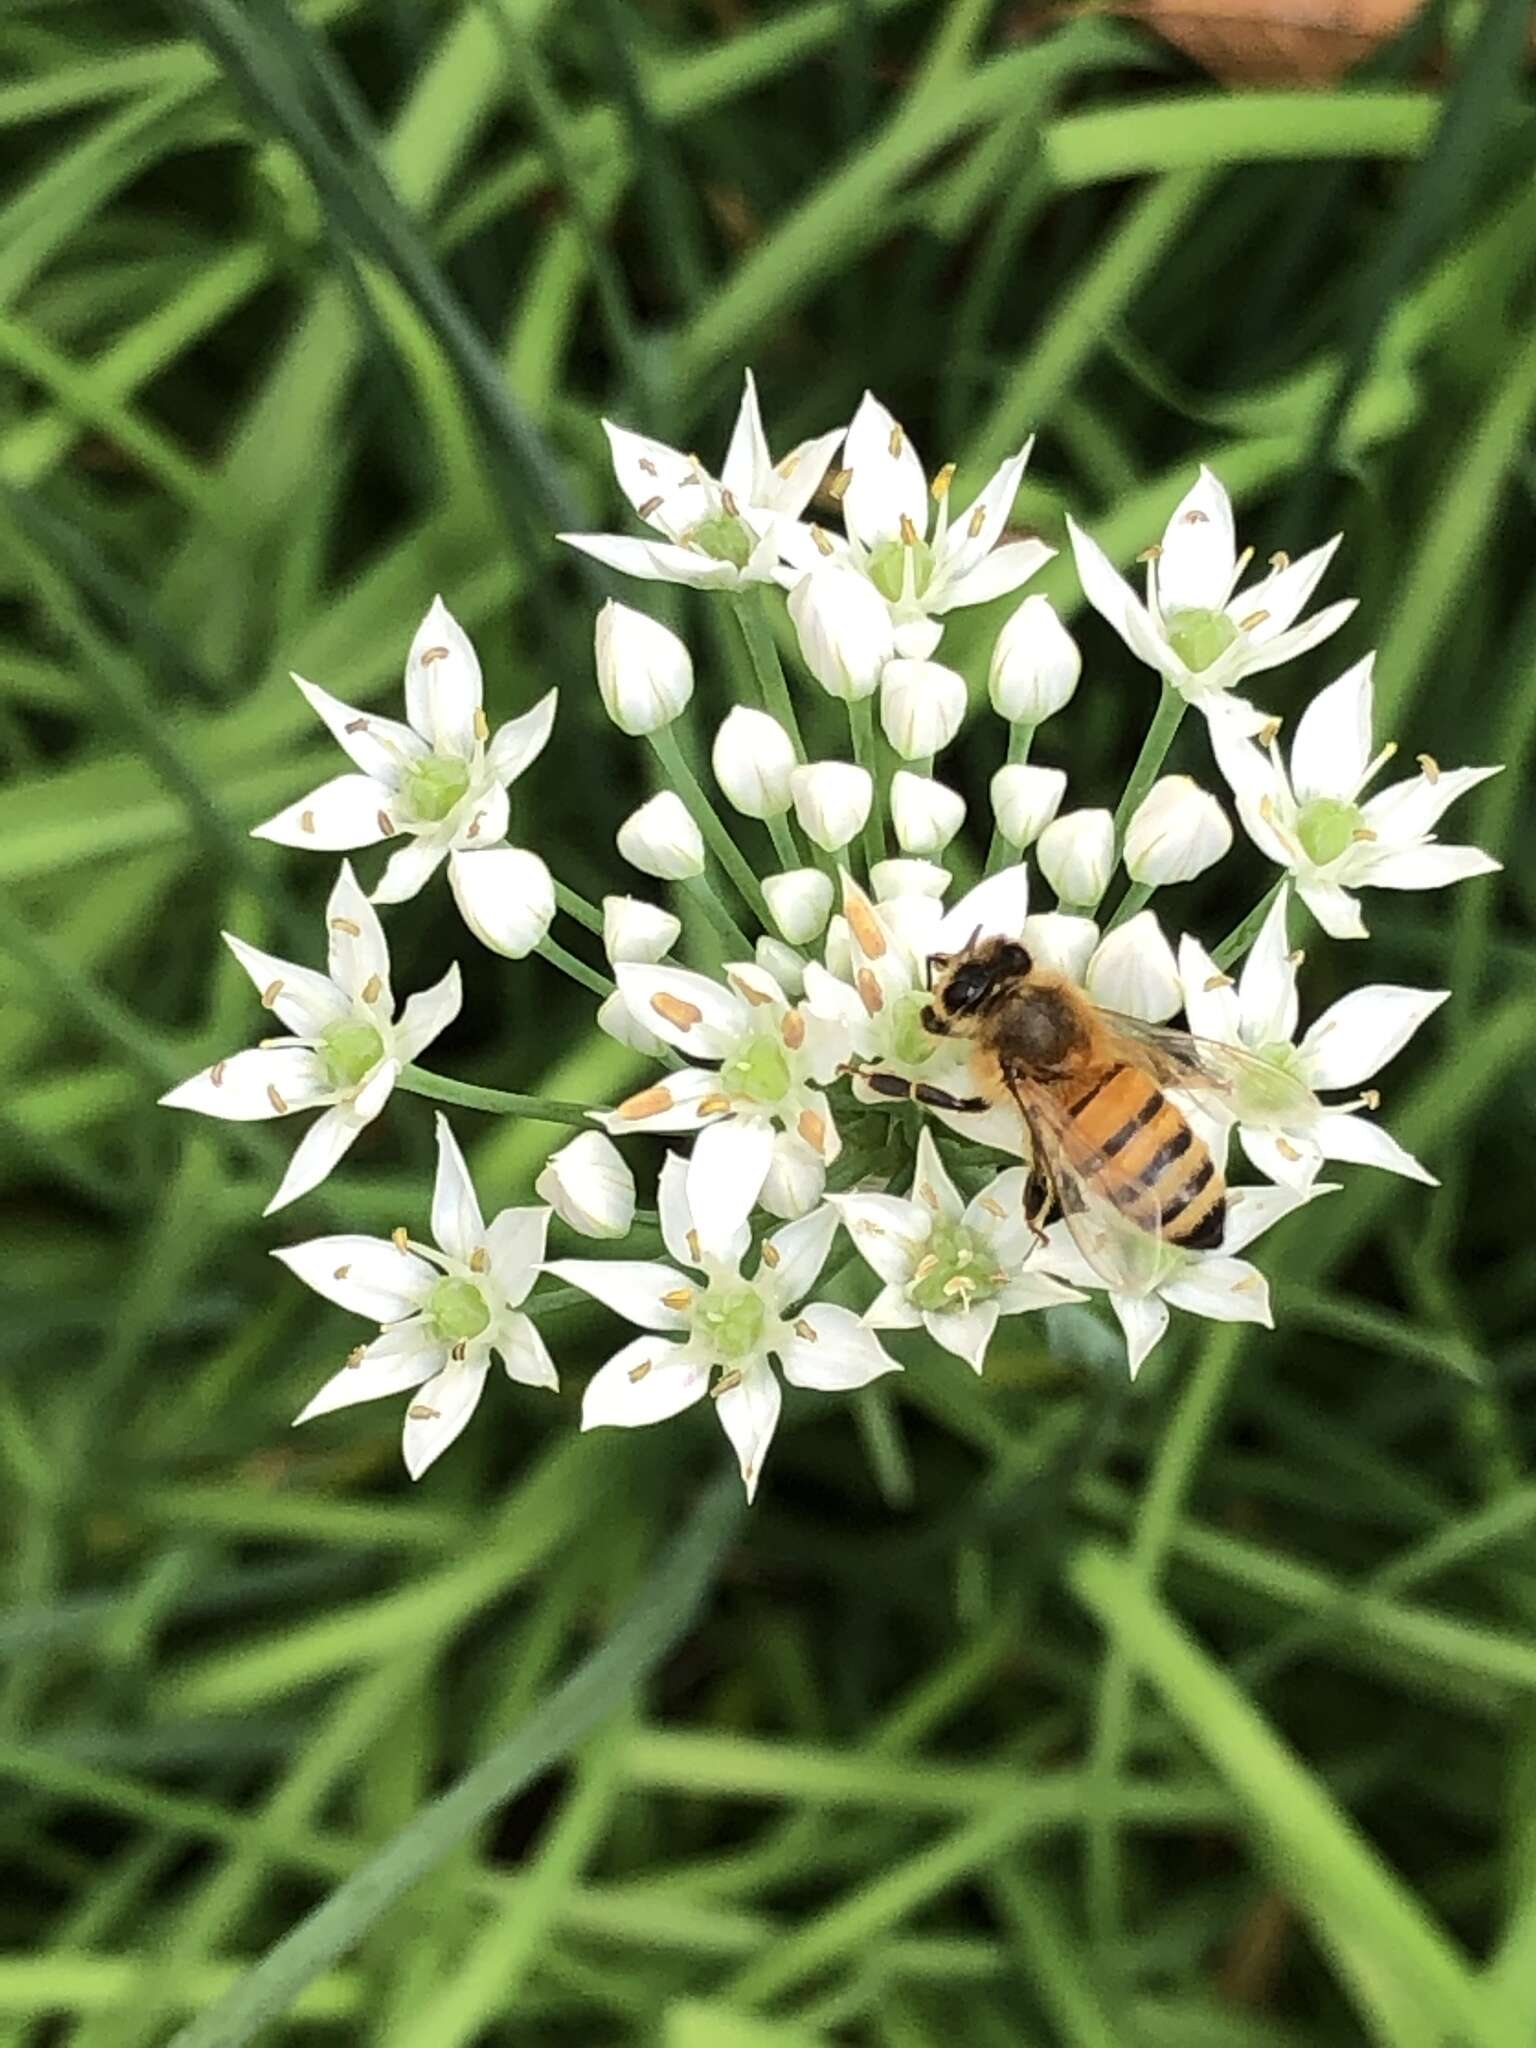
point(1202, 1712)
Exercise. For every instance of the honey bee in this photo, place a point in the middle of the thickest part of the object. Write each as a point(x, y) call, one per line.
point(1118, 1159)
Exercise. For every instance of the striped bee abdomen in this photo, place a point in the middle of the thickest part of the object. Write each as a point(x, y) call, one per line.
point(1126, 1117)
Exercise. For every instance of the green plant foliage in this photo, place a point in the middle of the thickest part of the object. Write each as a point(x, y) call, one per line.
point(1035, 1709)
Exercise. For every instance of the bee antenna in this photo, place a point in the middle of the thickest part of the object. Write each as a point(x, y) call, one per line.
point(970, 944)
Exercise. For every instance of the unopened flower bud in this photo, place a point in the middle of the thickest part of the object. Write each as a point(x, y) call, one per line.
point(890, 879)
point(661, 839)
point(922, 706)
point(1025, 799)
point(801, 902)
point(1134, 970)
point(588, 1185)
point(837, 950)
point(1057, 939)
point(506, 896)
point(1076, 854)
point(783, 963)
point(832, 800)
point(1035, 665)
point(1177, 832)
point(636, 930)
point(925, 813)
point(644, 671)
point(618, 1020)
point(753, 759)
point(844, 627)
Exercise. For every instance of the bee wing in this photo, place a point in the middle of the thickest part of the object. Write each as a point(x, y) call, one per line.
point(1177, 1059)
point(1115, 1222)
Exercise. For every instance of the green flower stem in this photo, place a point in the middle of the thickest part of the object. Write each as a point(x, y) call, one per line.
point(1136, 897)
point(785, 850)
point(1020, 739)
point(762, 650)
point(716, 836)
point(1149, 762)
point(861, 727)
point(730, 932)
point(874, 1412)
point(1242, 936)
point(578, 907)
point(495, 1101)
point(552, 951)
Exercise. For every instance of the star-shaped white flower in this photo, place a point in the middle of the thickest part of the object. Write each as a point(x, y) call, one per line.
point(1196, 630)
point(766, 1129)
point(347, 1047)
point(922, 572)
point(711, 1318)
point(1311, 820)
point(1284, 1129)
point(445, 1309)
point(951, 1267)
point(716, 533)
point(1145, 1277)
point(442, 779)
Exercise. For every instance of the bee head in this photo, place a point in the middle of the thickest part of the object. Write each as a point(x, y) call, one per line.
point(962, 982)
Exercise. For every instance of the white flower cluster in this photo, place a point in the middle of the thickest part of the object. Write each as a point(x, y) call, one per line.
point(778, 1054)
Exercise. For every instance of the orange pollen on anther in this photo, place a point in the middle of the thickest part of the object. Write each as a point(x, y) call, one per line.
point(792, 1029)
point(864, 925)
point(276, 1100)
point(649, 506)
point(355, 725)
point(1279, 559)
point(1430, 767)
point(1195, 517)
point(373, 988)
point(341, 1272)
point(420, 1412)
point(306, 821)
point(869, 992)
point(771, 1256)
point(434, 654)
point(357, 1354)
point(1253, 621)
point(1218, 981)
point(726, 1384)
point(479, 1260)
point(713, 1105)
point(638, 1372)
point(939, 488)
point(909, 533)
point(482, 725)
point(837, 484)
point(400, 1237)
point(897, 438)
point(813, 1129)
point(824, 546)
point(345, 924)
point(386, 824)
point(804, 1331)
point(270, 994)
point(684, 1015)
point(755, 996)
point(216, 1073)
point(649, 1102)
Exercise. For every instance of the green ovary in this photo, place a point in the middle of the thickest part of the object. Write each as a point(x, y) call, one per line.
point(909, 1042)
point(1326, 828)
point(888, 567)
point(757, 1070)
point(1200, 637)
point(350, 1052)
point(956, 1270)
point(434, 786)
point(457, 1311)
point(727, 539)
point(1270, 1096)
point(731, 1320)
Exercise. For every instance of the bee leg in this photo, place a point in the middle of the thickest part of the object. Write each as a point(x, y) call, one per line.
point(903, 1090)
point(1038, 1196)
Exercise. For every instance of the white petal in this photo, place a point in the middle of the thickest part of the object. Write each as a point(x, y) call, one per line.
point(797, 475)
point(1289, 1159)
point(747, 459)
point(249, 1087)
point(457, 1225)
point(1210, 1000)
point(670, 1105)
point(988, 513)
point(916, 639)
point(524, 1354)
point(346, 812)
point(305, 1001)
point(1332, 744)
point(891, 1310)
point(1113, 599)
point(655, 561)
point(1134, 970)
point(749, 1414)
point(1224, 1289)
point(1256, 783)
point(887, 482)
point(1414, 806)
point(1199, 553)
point(1283, 592)
point(998, 906)
point(889, 1233)
point(515, 1239)
point(517, 744)
point(355, 939)
point(672, 1207)
point(841, 1353)
point(697, 1015)
point(1144, 1319)
point(1253, 1210)
point(636, 930)
point(1005, 569)
point(588, 1184)
point(442, 683)
point(632, 1288)
point(725, 1176)
point(794, 1256)
point(647, 1381)
point(1061, 941)
point(1363, 1031)
point(965, 1332)
point(382, 747)
point(1428, 867)
point(506, 896)
point(392, 1364)
point(796, 1177)
point(426, 1014)
point(441, 1411)
point(1362, 1143)
point(1334, 908)
point(1258, 655)
point(932, 1188)
point(369, 1276)
point(409, 869)
point(618, 1021)
point(1030, 1290)
point(319, 1150)
point(1266, 989)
